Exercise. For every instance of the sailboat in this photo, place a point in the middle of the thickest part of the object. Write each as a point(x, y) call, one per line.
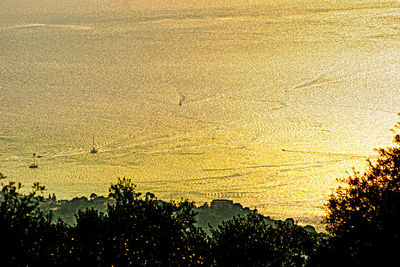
point(34, 164)
point(94, 149)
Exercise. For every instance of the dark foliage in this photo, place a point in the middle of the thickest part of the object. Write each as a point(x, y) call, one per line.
point(250, 241)
point(363, 215)
point(139, 230)
point(27, 235)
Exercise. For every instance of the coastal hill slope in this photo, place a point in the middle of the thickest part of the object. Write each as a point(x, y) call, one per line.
point(208, 215)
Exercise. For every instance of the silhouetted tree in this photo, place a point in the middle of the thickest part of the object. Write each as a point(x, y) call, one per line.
point(363, 215)
point(250, 241)
point(139, 231)
point(27, 236)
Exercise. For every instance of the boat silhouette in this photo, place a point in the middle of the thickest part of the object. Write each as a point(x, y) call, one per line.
point(94, 149)
point(34, 163)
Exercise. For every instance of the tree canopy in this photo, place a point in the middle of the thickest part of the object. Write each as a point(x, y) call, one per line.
point(364, 212)
point(250, 241)
point(139, 230)
point(28, 236)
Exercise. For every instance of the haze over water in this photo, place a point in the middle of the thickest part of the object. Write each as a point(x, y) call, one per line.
point(264, 105)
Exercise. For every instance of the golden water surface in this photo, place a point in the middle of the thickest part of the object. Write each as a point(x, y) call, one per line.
point(263, 105)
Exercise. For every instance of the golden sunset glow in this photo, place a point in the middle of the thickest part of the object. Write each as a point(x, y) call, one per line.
point(262, 102)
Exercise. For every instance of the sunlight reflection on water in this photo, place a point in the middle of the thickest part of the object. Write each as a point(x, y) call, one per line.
point(266, 110)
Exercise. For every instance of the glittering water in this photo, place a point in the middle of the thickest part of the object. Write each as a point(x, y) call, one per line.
point(266, 107)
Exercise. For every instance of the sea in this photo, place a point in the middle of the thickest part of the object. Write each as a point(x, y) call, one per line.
point(267, 106)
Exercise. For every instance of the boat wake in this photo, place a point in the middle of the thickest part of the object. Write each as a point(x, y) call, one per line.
point(330, 154)
point(37, 25)
point(321, 79)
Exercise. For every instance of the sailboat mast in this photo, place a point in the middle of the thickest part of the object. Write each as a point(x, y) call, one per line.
point(34, 164)
point(94, 150)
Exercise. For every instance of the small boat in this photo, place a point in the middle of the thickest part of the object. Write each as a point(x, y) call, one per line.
point(34, 164)
point(94, 149)
point(182, 99)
